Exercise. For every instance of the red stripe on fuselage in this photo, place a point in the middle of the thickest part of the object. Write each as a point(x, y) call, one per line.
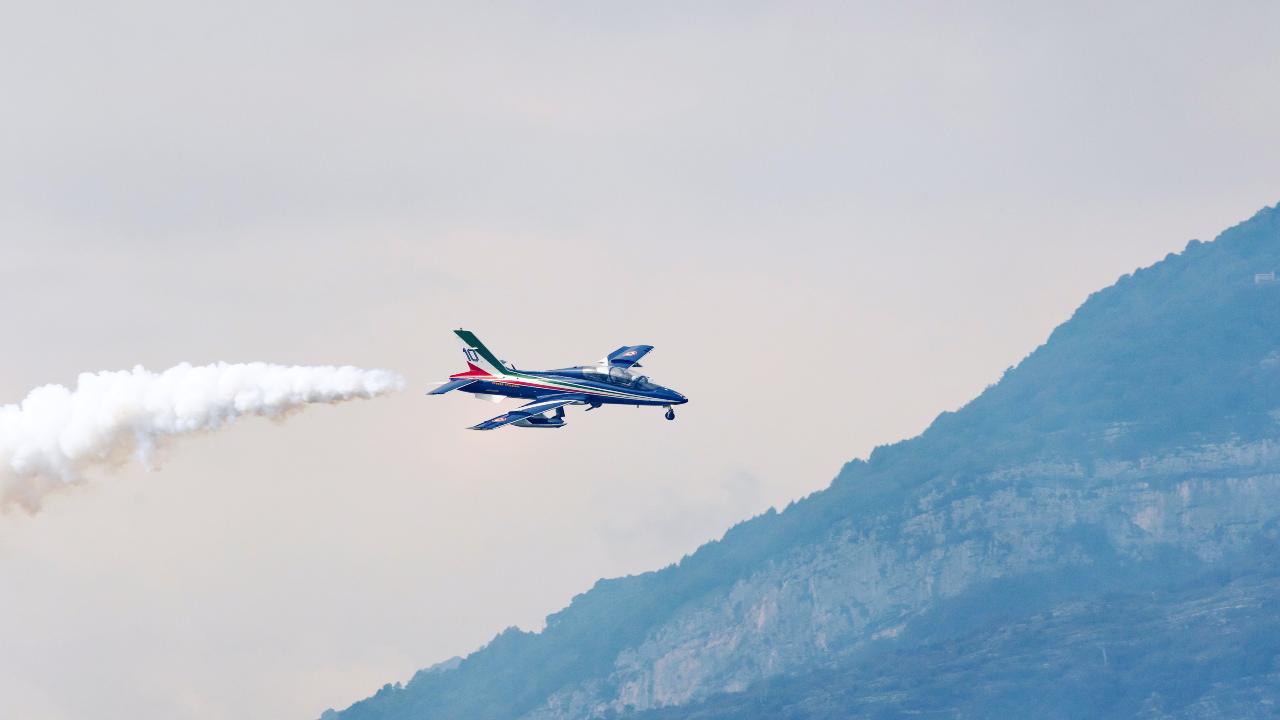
point(472, 372)
point(544, 386)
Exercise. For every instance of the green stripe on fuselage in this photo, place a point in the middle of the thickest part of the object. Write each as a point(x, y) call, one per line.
point(579, 386)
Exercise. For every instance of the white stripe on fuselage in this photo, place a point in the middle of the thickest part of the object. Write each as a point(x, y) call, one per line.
point(614, 394)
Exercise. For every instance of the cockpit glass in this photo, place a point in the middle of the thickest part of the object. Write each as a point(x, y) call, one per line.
point(620, 376)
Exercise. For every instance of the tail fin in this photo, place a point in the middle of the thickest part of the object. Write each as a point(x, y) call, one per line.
point(480, 362)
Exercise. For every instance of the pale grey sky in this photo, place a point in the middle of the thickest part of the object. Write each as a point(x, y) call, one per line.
point(833, 221)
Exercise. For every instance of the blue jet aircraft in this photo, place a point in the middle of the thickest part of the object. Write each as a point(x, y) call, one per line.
point(610, 382)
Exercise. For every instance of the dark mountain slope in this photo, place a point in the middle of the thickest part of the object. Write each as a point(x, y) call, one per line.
point(1204, 648)
point(1183, 354)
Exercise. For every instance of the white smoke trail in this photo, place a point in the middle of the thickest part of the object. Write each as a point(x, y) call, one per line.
point(57, 433)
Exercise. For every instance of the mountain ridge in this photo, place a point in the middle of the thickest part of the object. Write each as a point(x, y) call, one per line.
point(1170, 361)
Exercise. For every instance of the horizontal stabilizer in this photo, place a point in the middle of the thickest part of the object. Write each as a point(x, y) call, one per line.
point(450, 386)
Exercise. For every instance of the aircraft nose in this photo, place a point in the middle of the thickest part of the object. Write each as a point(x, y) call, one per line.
point(679, 399)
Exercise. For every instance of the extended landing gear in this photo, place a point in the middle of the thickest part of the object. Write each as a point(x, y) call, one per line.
point(671, 413)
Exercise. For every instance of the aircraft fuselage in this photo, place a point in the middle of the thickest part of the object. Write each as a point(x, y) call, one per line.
point(599, 388)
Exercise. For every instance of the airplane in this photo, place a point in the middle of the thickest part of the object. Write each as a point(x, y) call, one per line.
point(609, 382)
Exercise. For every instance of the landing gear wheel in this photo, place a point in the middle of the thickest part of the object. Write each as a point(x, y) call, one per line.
point(671, 414)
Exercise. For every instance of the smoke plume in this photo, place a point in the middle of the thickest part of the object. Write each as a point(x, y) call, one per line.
point(56, 433)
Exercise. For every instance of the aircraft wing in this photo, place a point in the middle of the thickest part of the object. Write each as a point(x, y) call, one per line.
point(537, 407)
point(628, 355)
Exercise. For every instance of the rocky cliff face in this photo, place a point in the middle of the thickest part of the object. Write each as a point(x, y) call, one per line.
point(1098, 534)
point(869, 580)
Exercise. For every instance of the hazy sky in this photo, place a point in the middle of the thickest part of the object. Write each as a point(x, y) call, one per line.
point(833, 221)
